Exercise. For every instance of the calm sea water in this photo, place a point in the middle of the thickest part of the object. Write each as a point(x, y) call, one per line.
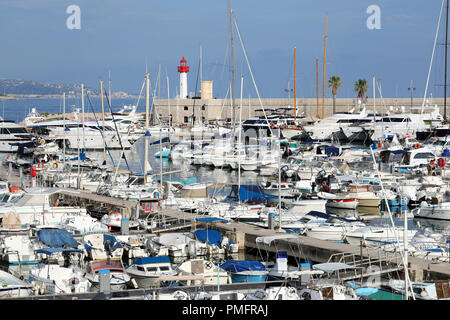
point(17, 110)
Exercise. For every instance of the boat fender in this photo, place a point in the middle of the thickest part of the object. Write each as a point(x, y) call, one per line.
point(42, 289)
point(292, 291)
point(180, 295)
point(135, 285)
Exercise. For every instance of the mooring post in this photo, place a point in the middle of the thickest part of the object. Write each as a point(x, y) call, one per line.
point(105, 284)
point(125, 226)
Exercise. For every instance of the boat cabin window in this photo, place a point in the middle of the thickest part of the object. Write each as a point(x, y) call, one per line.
point(424, 155)
point(139, 268)
point(12, 130)
point(152, 269)
point(164, 268)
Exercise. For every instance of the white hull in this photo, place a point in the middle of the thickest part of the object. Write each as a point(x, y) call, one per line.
point(433, 212)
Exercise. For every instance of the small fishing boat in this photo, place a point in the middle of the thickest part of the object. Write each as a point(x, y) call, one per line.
point(102, 246)
point(146, 270)
point(211, 273)
point(119, 278)
point(51, 278)
point(439, 211)
point(339, 202)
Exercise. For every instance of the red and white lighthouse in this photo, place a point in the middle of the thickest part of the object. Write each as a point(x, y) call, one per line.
point(183, 69)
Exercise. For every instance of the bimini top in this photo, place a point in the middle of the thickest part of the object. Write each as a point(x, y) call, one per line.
point(150, 260)
point(212, 219)
point(333, 266)
point(269, 239)
point(209, 236)
point(242, 266)
point(49, 251)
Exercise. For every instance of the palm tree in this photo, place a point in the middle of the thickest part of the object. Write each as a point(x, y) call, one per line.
point(361, 87)
point(334, 83)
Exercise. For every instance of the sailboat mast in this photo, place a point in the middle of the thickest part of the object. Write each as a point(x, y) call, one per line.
point(103, 120)
point(324, 67)
point(295, 84)
point(232, 68)
point(240, 129)
point(446, 47)
point(147, 99)
point(405, 250)
point(82, 110)
point(109, 88)
point(64, 121)
point(374, 111)
point(317, 86)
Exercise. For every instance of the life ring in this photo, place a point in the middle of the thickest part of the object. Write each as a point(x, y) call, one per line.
point(42, 141)
point(272, 125)
point(54, 165)
point(208, 265)
point(40, 165)
point(416, 145)
point(441, 162)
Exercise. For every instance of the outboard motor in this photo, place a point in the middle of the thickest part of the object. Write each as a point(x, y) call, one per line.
point(108, 248)
point(192, 248)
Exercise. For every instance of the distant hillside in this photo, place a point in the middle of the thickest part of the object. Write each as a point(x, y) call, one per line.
point(29, 87)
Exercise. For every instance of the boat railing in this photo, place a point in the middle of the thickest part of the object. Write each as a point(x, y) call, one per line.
point(368, 262)
point(157, 223)
point(19, 262)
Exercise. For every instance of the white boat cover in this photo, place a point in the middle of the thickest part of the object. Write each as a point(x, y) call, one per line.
point(269, 239)
point(332, 266)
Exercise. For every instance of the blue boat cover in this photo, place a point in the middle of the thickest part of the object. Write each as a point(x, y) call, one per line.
point(106, 237)
point(446, 153)
point(331, 151)
point(113, 240)
point(148, 260)
point(253, 193)
point(57, 238)
point(242, 265)
point(49, 251)
point(163, 140)
point(209, 236)
point(82, 156)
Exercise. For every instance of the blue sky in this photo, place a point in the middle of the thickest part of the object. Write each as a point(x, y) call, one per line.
point(120, 36)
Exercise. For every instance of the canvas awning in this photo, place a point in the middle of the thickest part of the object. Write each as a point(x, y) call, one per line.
point(333, 266)
point(269, 239)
